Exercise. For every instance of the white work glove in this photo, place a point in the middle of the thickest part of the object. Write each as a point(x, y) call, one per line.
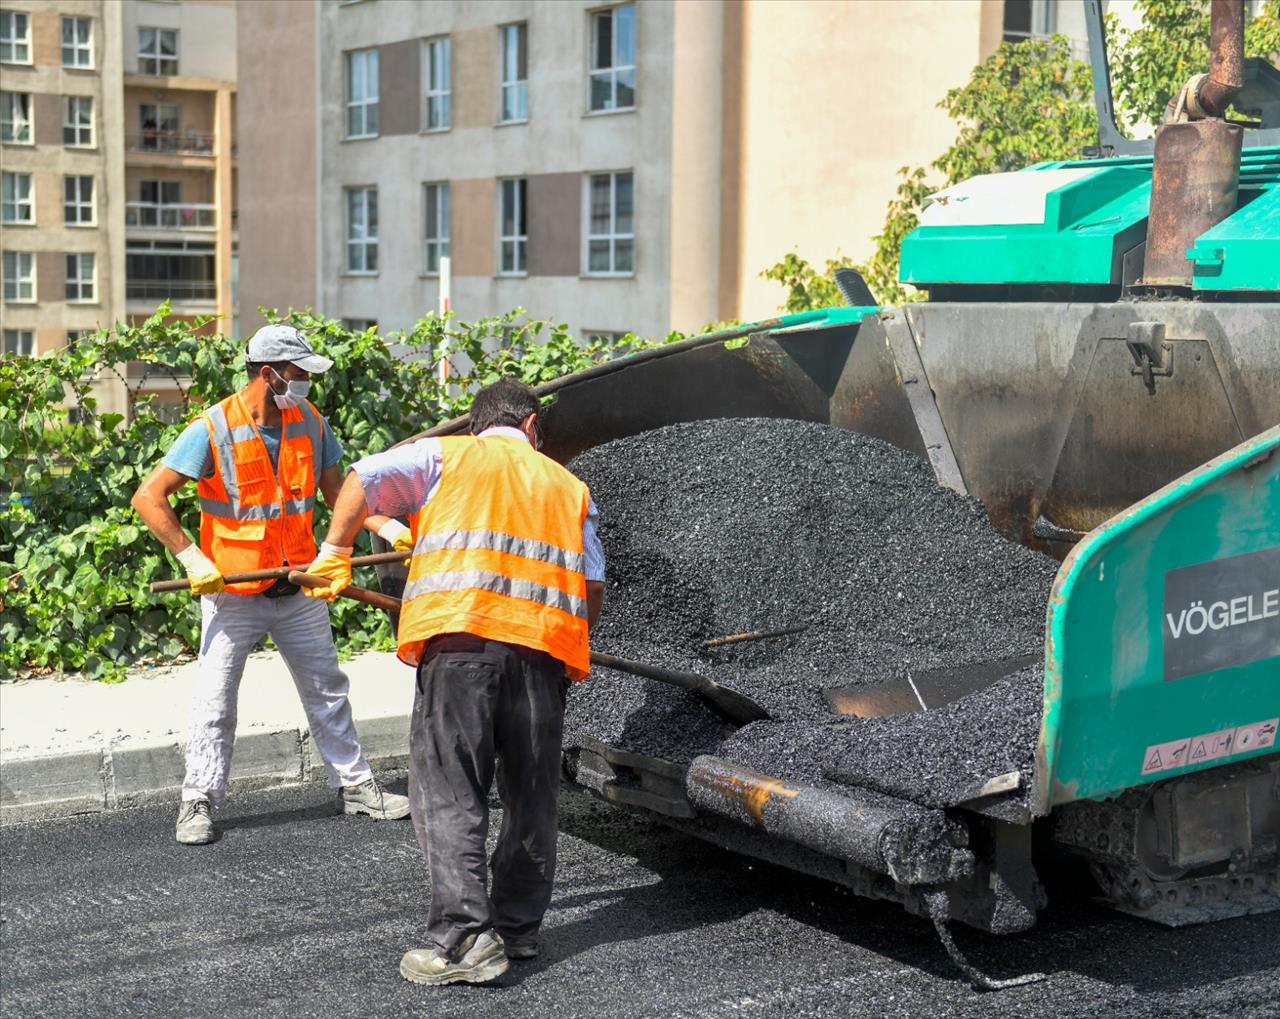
point(205, 577)
point(334, 565)
point(395, 534)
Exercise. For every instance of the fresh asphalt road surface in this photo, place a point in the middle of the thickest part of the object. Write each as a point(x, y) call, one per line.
point(298, 912)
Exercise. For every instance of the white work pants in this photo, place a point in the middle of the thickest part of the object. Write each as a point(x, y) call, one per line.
point(231, 625)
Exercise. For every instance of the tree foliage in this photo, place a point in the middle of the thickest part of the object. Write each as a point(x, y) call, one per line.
point(1032, 101)
point(1151, 62)
point(75, 562)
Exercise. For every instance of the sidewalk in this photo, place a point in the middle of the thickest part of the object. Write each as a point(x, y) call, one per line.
point(71, 746)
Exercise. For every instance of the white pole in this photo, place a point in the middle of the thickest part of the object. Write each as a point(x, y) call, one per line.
point(446, 278)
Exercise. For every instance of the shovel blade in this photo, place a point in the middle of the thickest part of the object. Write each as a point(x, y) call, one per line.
point(922, 691)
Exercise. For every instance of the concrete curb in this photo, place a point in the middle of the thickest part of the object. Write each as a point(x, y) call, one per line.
point(127, 774)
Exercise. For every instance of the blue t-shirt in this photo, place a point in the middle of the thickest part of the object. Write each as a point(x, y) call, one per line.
point(192, 457)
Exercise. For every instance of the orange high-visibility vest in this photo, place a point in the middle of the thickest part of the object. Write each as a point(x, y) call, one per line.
point(252, 518)
point(498, 553)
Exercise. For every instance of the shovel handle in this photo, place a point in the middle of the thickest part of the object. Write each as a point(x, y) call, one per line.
point(361, 594)
point(278, 572)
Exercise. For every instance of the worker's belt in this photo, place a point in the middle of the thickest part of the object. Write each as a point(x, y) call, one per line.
point(282, 588)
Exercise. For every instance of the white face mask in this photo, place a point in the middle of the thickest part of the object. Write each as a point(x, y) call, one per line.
point(295, 391)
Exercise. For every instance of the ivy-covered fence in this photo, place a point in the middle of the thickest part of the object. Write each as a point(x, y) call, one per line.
point(75, 561)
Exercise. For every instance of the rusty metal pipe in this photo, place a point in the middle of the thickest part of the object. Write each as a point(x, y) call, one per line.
point(1226, 64)
point(914, 845)
point(1195, 173)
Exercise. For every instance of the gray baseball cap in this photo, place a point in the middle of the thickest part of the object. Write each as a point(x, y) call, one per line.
point(284, 343)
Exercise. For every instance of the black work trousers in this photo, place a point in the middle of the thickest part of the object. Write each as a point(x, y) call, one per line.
point(479, 701)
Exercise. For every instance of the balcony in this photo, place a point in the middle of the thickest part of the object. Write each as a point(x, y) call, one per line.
point(177, 291)
point(170, 216)
point(171, 143)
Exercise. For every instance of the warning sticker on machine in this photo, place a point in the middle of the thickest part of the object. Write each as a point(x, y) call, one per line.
point(1210, 746)
point(1221, 613)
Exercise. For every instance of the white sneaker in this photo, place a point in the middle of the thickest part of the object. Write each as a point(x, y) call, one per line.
point(195, 823)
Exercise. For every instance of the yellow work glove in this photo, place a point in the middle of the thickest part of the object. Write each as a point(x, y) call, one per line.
point(205, 578)
point(334, 564)
point(395, 534)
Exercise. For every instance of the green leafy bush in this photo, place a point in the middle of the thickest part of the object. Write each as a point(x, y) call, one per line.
point(75, 562)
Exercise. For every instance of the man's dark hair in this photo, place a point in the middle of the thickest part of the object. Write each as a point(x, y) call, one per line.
point(505, 402)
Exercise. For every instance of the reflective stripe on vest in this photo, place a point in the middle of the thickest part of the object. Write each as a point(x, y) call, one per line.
point(485, 580)
point(252, 516)
point(498, 553)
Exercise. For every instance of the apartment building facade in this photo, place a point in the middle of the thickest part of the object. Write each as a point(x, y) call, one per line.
point(617, 166)
point(116, 148)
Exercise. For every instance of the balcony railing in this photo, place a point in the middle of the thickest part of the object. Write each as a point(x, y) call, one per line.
point(177, 143)
point(174, 290)
point(170, 216)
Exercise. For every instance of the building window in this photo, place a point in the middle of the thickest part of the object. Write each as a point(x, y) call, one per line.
point(362, 94)
point(77, 201)
point(15, 117)
point(613, 58)
point(362, 230)
point(515, 231)
point(77, 121)
point(77, 42)
point(81, 273)
point(19, 343)
point(158, 51)
point(515, 72)
point(436, 227)
point(439, 95)
point(15, 37)
point(1028, 19)
point(17, 204)
point(19, 277)
point(161, 192)
point(610, 225)
point(159, 127)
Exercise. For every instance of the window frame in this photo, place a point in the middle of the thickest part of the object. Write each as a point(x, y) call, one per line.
point(10, 99)
point(517, 85)
point(17, 203)
point(78, 280)
point(30, 334)
point(18, 282)
point(443, 208)
point(76, 45)
point(613, 236)
point(78, 202)
point(367, 104)
point(159, 58)
point(368, 240)
point(70, 102)
point(614, 69)
point(518, 240)
point(432, 97)
point(12, 42)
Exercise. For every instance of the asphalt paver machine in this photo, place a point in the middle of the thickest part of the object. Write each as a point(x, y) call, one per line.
point(1099, 365)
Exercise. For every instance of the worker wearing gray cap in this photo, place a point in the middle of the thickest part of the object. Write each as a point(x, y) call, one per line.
point(258, 458)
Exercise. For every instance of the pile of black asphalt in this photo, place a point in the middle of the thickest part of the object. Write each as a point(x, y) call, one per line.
point(720, 527)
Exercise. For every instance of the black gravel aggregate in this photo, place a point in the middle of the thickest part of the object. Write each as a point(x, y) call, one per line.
point(301, 914)
point(724, 526)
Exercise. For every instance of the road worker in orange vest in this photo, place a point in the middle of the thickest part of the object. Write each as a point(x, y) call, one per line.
point(506, 574)
point(258, 458)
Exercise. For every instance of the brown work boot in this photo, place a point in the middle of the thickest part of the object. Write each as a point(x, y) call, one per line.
point(478, 959)
point(370, 798)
